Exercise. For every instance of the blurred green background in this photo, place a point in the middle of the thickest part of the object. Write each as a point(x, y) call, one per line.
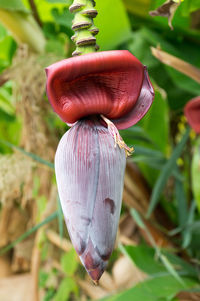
point(163, 243)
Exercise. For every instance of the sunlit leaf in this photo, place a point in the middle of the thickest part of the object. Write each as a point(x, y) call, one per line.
point(69, 262)
point(13, 5)
point(195, 170)
point(113, 24)
point(67, 286)
point(153, 290)
point(156, 122)
point(145, 259)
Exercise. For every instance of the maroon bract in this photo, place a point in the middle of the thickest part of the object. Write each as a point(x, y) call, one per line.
point(112, 83)
point(192, 113)
point(90, 173)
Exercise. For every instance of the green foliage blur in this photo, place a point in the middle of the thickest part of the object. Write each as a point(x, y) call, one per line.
point(165, 147)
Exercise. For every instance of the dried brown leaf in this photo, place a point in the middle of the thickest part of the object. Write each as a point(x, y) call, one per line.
point(167, 9)
point(127, 226)
point(136, 193)
point(107, 282)
point(21, 261)
point(177, 64)
point(5, 266)
point(16, 288)
point(94, 292)
point(131, 274)
point(61, 243)
point(187, 296)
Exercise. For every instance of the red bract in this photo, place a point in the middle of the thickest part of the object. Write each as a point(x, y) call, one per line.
point(192, 113)
point(112, 83)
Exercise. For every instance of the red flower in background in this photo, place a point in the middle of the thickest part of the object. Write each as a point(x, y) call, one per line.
point(192, 113)
point(85, 92)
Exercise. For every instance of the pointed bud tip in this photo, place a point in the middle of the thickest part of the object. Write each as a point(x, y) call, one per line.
point(93, 262)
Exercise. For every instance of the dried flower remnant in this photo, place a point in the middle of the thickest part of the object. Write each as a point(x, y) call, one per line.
point(96, 94)
point(167, 9)
point(192, 113)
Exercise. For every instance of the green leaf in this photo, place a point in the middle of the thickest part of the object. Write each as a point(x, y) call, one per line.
point(69, 262)
point(66, 2)
point(189, 6)
point(7, 50)
point(181, 202)
point(166, 172)
point(187, 233)
point(138, 7)
point(113, 24)
point(156, 122)
point(171, 269)
point(136, 133)
point(67, 286)
point(45, 8)
point(155, 289)
point(62, 18)
point(195, 173)
point(137, 218)
point(181, 265)
point(161, 264)
point(56, 47)
point(60, 218)
point(43, 277)
point(29, 232)
point(13, 5)
point(183, 81)
point(145, 259)
point(3, 32)
point(41, 205)
point(148, 152)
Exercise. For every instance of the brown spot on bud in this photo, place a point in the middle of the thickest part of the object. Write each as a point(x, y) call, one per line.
point(111, 203)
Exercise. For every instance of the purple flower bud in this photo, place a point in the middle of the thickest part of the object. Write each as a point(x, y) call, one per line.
point(90, 174)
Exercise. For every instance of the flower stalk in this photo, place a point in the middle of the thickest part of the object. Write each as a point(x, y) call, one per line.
point(83, 25)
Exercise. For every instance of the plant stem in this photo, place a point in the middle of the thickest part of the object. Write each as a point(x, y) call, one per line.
point(35, 12)
point(83, 25)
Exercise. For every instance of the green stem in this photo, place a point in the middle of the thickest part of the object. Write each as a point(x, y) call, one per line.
point(83, 25)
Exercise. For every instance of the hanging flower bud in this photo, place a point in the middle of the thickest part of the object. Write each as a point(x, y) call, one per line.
point(112, 83)
point(192, 113)
point(96, 94)
point(89, 173)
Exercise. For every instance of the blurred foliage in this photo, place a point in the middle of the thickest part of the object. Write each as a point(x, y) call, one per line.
point(166, 151)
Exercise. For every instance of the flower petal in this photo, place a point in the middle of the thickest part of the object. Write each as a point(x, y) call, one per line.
point(89, 173)
point(141, 107)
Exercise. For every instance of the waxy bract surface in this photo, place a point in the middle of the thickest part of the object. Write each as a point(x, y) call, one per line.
point(112, 83)
point(90, 173)
point(192, 113)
